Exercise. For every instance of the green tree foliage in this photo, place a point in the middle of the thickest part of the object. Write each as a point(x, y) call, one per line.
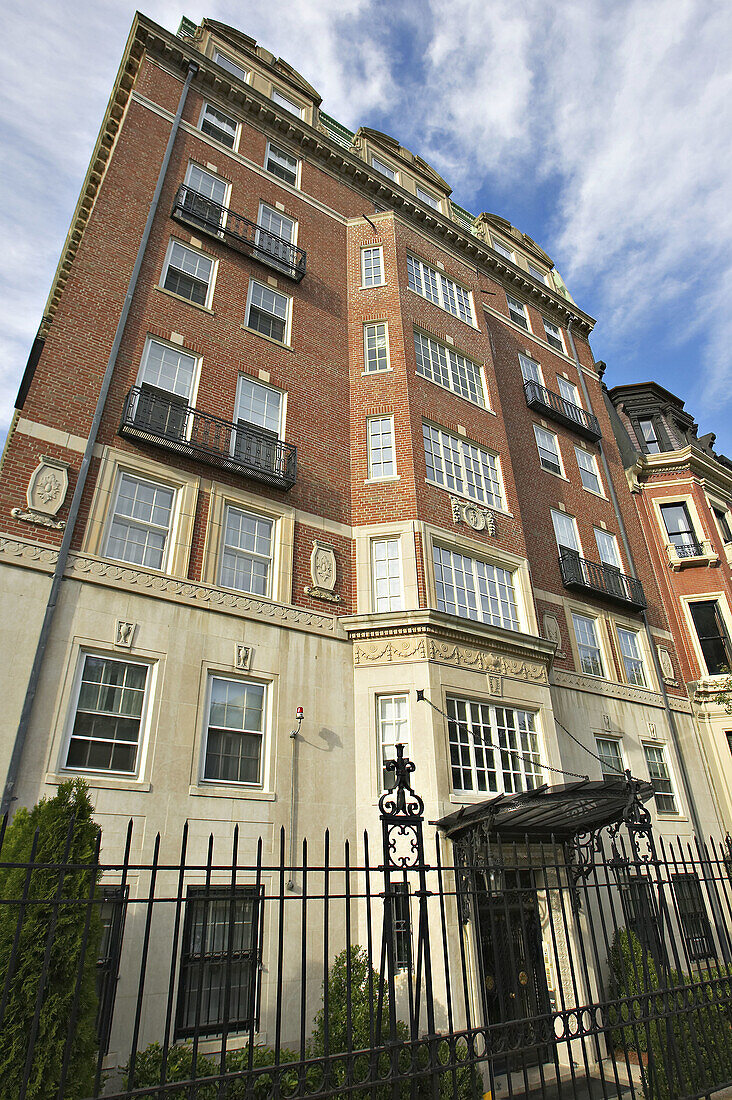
point(51, 817)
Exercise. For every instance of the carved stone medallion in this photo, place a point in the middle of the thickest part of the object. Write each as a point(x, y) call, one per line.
point(667, 668)
point(480, 519)
point(45, 494)
point(323, 572)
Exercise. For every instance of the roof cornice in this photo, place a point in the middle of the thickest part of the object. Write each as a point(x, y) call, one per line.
point(692, 458)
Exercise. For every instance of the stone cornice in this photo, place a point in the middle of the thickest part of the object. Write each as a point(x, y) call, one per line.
point(575, 681)
point(696, 461)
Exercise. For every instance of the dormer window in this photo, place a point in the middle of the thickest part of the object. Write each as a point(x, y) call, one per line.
point(384, 169)
point(231, 66)
point(425, 196)
point(282, 100)
point(649, 439)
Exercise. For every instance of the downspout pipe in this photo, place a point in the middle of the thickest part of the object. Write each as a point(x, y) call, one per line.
point(63, 554)
point(656, 663)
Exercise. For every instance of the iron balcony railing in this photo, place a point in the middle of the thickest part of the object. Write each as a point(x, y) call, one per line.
point(194, 209)
point(241, 448)
point(553, 404)
point(601, 580)
point(689, 548)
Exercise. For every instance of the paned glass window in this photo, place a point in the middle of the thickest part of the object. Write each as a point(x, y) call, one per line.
point(588, 471)
point(386, 568)
point(530, 370)
point(275, 236)
point(246, 557)
point(536, 274)
point(548, 447)
point(608, 749)
point(632, 658)
point(282, 164)
point(722, 516)
point(447, 367)
point(231, 67)
point(430, 199)
point(517, 312)
point(437, 288)
point(166, 368)
point(259, 404)
point(289, 104)
point(381, 447)
point(693, 917)
point(187, 273)
point(207, 205)
point(680, 530)
point(493, 750)
point(660, 776)
point(375, 347)
point(269, 312)
point(234, 731)
point(565, 529)
point(392, 712)
point(140, 523)
point(569, 391)
point(712, 634)
point(462, 467)
point(107, 731)
point(649, 439)
point(585, 631)
point(384, 169)
point(607, 547)
point(502, 250)
point(372, 266)
point(553, 335)
point(474, 589)
point(218, 125)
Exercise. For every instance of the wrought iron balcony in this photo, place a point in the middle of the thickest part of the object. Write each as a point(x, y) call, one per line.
point(689, 548)
point(601, 580)
point(150, 416)
point(554, 405)
point(194, 209)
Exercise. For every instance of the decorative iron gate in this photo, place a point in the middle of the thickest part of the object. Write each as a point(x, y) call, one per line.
point(447, 966)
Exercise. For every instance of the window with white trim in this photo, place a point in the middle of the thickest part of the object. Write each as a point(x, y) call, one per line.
point(607, 548)
point(282, 100)
point(426, 196)
point(462, 467)
point(385, 169)
point(660, 775)
point(517, 312)
point(493, 750)
point(548, 446)
point(282, 164)
point(448, 368)
point(375, 347)
point(554, 335)
point(372, 266)
point(711, 631)
point(474, 589)
point(503, 250)
point(569, 391)
point(565, 531)
point(386, 573)
point(218, 125)
point(632, 656)
point(275, 235)
point(140, 522)
point(231, 66)
point(588, 471)
point(109, 709)
point(530, 370)
point(448, 295)
point(392, 716)
point(235, 731)
point(588, 646)
point(205, 199)
point(246, 552)
point(539, 275)
point(167, 369)
point(188, 273)
point(259, 406)
point(611, 757)
point(680, 529)
point(268, 312)
point(721, 514)
point(382, 462)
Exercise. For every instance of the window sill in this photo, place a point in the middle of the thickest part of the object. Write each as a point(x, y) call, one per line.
point(469, 500)
point(371, 286)
point(371, 373)
point(101, 782)
point(560, 476)
point(594, 493)
point(269, 339)
point(382, 480)
point(187, 301)
point(707, 557)
point(213, 790)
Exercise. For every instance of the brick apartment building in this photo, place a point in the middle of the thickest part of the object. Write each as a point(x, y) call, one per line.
point(682, 490)
point(353, 447)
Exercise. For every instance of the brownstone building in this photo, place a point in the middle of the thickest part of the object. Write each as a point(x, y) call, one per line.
point(299, 430)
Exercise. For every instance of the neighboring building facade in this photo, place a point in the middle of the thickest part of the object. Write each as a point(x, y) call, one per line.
point(354, 447)
point(683, 494)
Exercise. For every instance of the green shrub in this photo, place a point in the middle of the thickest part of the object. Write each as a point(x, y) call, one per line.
point(51, 817)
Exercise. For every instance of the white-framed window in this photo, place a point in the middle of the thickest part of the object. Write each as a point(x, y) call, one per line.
point(108, 715)
point(632, 656)
point(588, 646)
point(462, 467)
point(503, 250)
point(517, 312)
point(290, 105)
point(473, 589)
point(607, 548)
point(386, 572)
point(493, 750)
point(247, 547)
point(168, 368)
point(276, 233)
point(375, 347)
point(611, 757)
point(554, 335)
point(712, 634)
point(268, 312)
point(188, 273)
point(680, 529)
point(448, 368)
point(721, 514)
point(588, 471)
point(140, 521)
point(282, 164)
point(392, 716)
point(259, 404)
point(435, 287)
point(235, 729)
point(372, 266)
point(385, 169)
point(218, 125)
point(530, 369)
point(208, 204)
point(565, 531)
point(536, 274)
point(660, 775)
point(569, 391)
point(548, 447)
point(382, 462)
point(231, 66)
point(428, 197)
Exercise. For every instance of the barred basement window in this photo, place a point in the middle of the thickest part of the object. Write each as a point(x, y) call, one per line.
point(437, 288)
point(692, 913)
point(474, 589)
point(462, 467)
point(473, 729)
point(447, 367)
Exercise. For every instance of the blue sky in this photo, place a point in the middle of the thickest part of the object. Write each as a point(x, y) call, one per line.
point(602, 129)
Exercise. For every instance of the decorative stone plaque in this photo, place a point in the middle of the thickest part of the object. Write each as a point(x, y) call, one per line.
point(552, 632)
point(667, 668)
point(243, 657)
point(323, 572)
point(46, 492)
point(124, 633)
point(480, 519)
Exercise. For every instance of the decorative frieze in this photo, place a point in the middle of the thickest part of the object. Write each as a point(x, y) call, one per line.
point(425, 648)
point(608, 689)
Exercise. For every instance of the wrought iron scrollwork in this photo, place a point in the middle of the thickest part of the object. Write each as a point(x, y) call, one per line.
point(580, 855)
point(637, 820)
point(401, 815)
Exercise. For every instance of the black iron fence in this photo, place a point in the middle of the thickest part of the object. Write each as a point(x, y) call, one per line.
point(596, 967)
